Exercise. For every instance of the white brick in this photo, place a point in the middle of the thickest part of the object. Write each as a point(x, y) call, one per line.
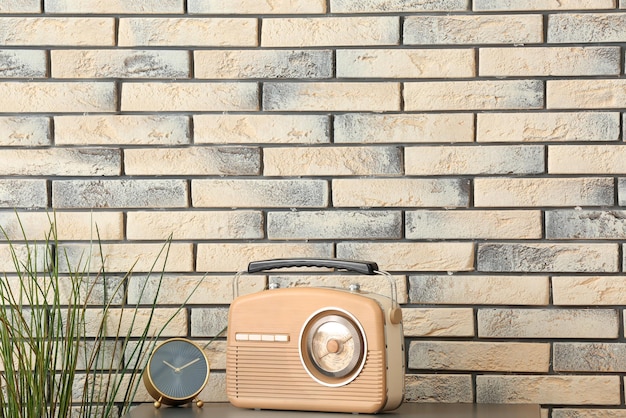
point(257, 7)
point(114, 6)
point(24, 131)
point(33, 96)
point(57, 31)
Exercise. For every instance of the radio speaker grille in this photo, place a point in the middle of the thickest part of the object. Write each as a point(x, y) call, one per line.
point(276, 372)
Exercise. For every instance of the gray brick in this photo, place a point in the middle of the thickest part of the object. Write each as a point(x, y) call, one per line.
point(590, 412)
point(544, 127)
point(413, 192)
point(621, 191)
point(397, 6)
point(61, 162)
point(547, 257)
point(269, 193)
point(208, 322)
point(586, 27)
point(23, 193)
point(334, 225)
point(585, 224)
point(440, 388)
point(559, 390)
point(229, 64)
point(475, 29)
point(119, 193)
point(512, 5)
point(479, 356)
point(548, 323)
point(451, 160)
point(20, 6)
point(403, 128)
point(193, 161)
point(22, 63)
point(479, 289)
point(589, 357)
point(91, 6)
point(24, 131)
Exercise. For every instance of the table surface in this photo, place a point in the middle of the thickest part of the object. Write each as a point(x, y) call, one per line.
point(424, 410)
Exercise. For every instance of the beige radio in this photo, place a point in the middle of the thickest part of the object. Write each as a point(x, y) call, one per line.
point(316, 349)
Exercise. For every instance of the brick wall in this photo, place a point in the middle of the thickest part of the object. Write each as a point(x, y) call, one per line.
point(474, 149)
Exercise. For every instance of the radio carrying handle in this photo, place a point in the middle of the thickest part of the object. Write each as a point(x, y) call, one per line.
point(362, 267)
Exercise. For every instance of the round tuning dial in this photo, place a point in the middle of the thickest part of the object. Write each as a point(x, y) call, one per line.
point(333, 347)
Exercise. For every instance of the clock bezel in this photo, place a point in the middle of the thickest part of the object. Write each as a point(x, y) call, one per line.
point(157, 393)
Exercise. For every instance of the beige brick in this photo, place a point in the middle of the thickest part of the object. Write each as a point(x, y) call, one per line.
point(543, 61)
point(515, 192)
point(194, 225)
point(121, 130)
point(548, 323)
point(474, 94)
point(479, 356)
point(585, 224)
point(405, 63)
point(167, 97)
point(438, 388)
point(188, 32)
point(588, 413)
point(511, 5)
point(192, 160)
point(403, 256)
point(545, 127)
point(474, 224)
point(114, 6)
point(57, 31)
point(61, 225)
point(438, 322)
point(479, 290)
point(497, 159)
point(589, 290)
point(60, 162)
point(23, 193)
point(125, 257)
point(30, 97)
point(320, 96)
point(330, 31)
point(396, 6)
point(259, 128)
point(559, 390)
point(413, 128)
point(587, 159)
point(311, 225)
point(242, 64)
point(24, 258)
point(400, 192)
point(24, 131)
point(474, 29)
point(547, 257)
point(257, 7)
point(235, 257)
point(321, 161)
point(589, 357)
point(586, 27)
point(120, 64)
point(190, 290)
point(119, 193)
point(368, 283)
point(20, 6)
point(23, 63)
point(586, 94)
point(270, 193)
point(169, 322)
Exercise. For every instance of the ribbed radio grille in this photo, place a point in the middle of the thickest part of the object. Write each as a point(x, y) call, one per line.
point(278, 373)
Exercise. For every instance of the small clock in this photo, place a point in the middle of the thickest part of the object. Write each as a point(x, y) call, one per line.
point(176, 373)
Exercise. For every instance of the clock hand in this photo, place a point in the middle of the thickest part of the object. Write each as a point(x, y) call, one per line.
point(188, 364)
point(170, 366)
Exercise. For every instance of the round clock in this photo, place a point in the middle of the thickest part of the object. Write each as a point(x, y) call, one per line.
point(176, 373)
point(333, 347)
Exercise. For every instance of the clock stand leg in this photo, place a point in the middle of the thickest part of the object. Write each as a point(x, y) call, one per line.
point(199, 403)
point(157, 404)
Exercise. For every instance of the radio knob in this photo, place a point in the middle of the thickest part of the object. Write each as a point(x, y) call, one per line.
point(355, 287)
point(395, 315)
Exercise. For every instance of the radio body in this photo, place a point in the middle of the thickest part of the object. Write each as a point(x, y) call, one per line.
point(315, 349)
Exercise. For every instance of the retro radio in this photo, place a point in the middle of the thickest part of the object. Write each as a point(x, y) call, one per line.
point(316, 349)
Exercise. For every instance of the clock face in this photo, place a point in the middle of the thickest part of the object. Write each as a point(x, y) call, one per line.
point(178, 369)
